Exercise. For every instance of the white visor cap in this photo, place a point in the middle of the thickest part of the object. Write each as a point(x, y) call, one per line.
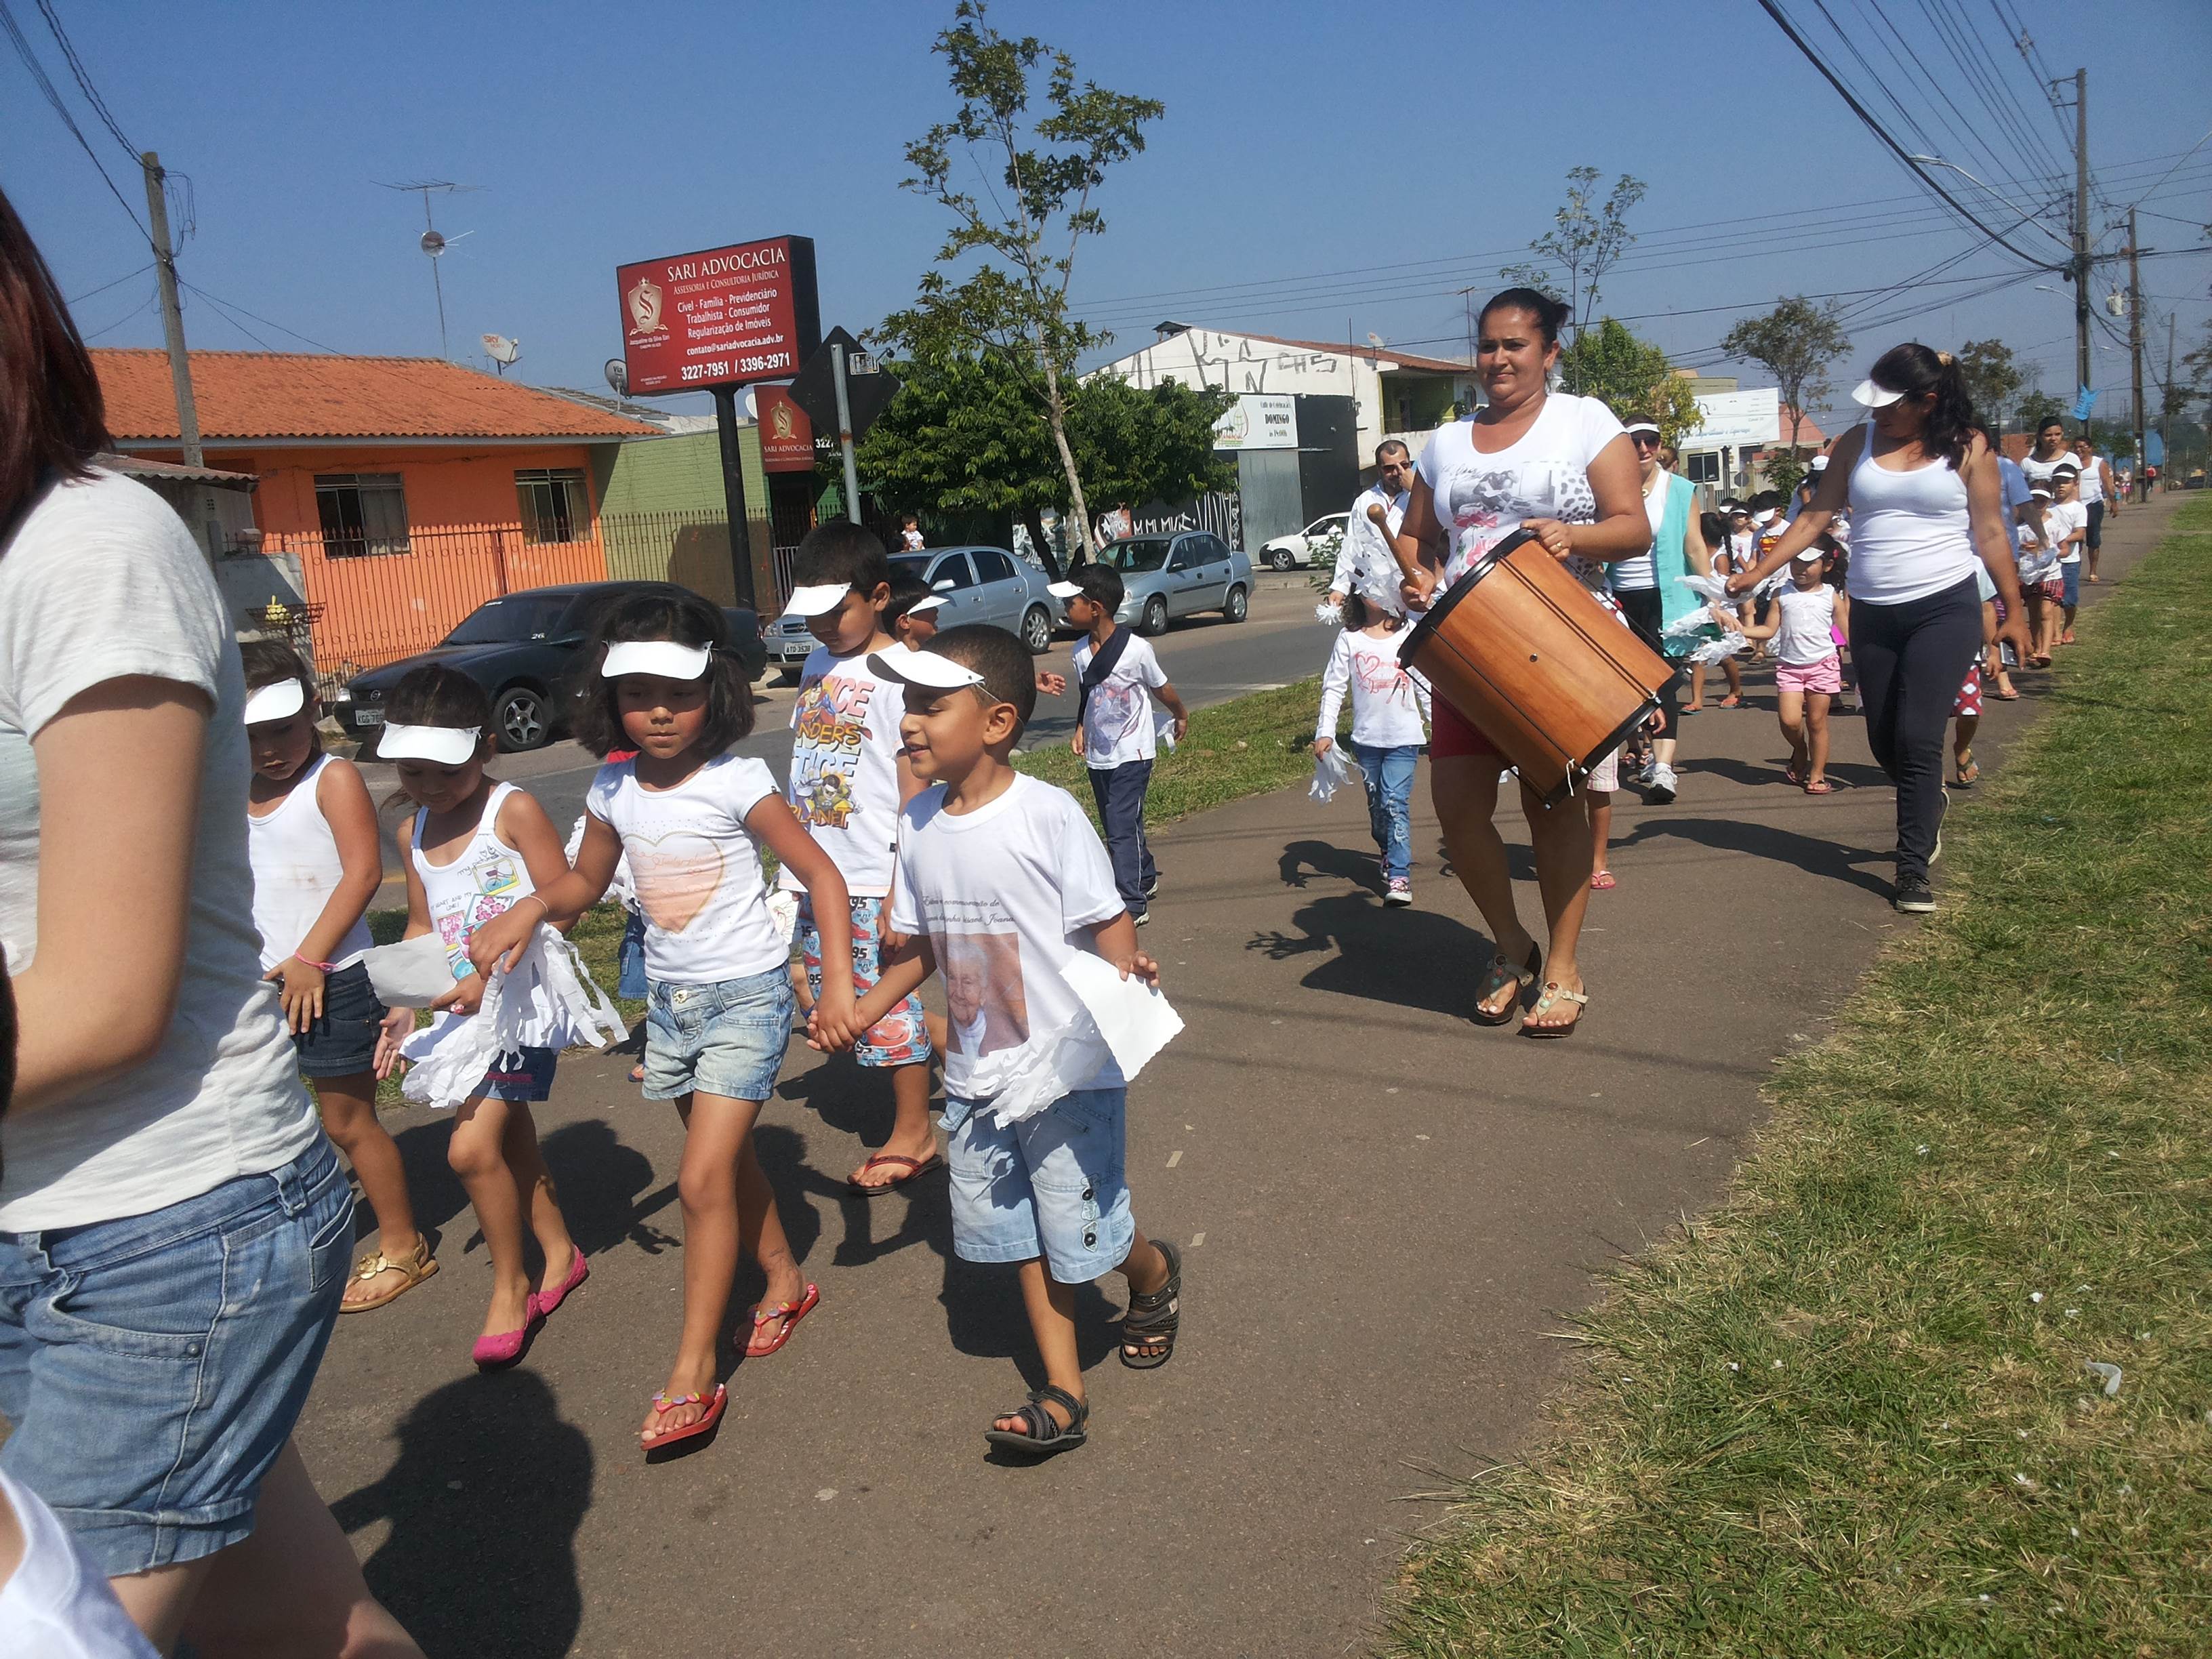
point(1818, 464)
point(1811, 554)
point(441, 745)
point(1065, 590)
point(664, 658)
point(1873, 397)
point(279, 701)
point(1635, 427)
point(818, 601)
point(926, 668)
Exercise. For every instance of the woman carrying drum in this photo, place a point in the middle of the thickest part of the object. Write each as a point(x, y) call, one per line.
point(1926, 507)
point(1560, 468)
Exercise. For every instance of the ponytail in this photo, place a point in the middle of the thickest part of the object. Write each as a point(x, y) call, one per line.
point(1916, 371)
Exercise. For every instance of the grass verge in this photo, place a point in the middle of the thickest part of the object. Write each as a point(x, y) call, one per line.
point(1847, 1413)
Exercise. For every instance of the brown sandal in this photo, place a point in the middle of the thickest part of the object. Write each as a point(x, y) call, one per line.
point(417, 1266)
point(1500, 972)
point(1554, 992)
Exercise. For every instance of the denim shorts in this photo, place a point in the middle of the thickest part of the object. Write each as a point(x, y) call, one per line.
point(901, 1038)
point(342, 1043)
point(629, 957)
point(726, 1039)
point(2069, 578)
point(153, 1367)
point(1049, 1186)
point(521, 1075)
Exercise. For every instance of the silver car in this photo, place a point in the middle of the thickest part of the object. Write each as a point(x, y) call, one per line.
point(1178, 574)
point(978, 584)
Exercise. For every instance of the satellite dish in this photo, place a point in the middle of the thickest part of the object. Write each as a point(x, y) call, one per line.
point(618, 376)
point(433, 243)
point(749, 401)
point(501, 351)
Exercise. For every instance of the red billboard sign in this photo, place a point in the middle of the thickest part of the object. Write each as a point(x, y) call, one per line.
point(721, 317)
point(786, 435)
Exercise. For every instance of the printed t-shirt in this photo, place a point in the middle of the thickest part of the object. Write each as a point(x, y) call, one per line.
point(1388, 701)
point(100, 581)
point(1117, 717)
point(844, 768)
point(56, 1605)
point(1005, 894)
point(1364, 563)
point(695, 869)
point(1480, 499)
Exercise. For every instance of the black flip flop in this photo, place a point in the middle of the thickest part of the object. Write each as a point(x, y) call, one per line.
point(1154, 1316)
point(1045, 1436)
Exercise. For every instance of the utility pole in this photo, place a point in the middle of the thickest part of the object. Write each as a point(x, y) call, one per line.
point(2134, 336)
point(208, 530)
point(2164, 407)
point(2082, 226)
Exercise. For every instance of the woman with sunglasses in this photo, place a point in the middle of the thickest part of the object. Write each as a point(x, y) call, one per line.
point(1560, 468)
point(1927, 509)
point(1646, 588)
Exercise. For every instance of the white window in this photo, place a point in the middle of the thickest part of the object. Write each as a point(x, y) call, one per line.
point(364, 514)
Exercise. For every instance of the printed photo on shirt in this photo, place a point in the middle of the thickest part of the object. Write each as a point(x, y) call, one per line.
point(1119, 708)
point(986, 1005)
point(831, 723)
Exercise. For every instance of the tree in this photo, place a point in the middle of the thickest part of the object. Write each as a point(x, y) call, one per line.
point(1156, 443)
point(1584, 243)
point(1015, 306)
point(1795, 342)
point(1991, 377)
point(1632, 376)
point(2038, 406)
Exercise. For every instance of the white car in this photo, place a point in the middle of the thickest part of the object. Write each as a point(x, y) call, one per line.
point(1289, 552)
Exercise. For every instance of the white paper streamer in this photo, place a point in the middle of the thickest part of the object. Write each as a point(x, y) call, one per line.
point(1330, 774)
point(549, 1001)
point(1699, 637)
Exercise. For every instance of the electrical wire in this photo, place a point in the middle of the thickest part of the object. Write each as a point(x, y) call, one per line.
point(84, 78)
point(228, 305)
point(103, 287)
point(16, 36)
point(134, 311)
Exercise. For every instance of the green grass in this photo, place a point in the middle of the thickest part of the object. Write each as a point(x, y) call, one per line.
point(1833, 1418)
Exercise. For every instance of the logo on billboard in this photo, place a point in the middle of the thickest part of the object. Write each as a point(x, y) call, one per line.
point(780, 423)
point(644, 302)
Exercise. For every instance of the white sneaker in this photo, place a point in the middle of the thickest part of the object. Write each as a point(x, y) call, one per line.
point(1400, 892)
point(1664, 782)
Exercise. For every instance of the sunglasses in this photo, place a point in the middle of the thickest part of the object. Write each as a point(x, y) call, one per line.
point(1645, 439)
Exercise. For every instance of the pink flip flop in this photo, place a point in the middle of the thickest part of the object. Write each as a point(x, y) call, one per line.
point(1603, 882)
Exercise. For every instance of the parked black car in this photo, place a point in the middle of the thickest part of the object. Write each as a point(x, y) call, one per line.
point(522, 648)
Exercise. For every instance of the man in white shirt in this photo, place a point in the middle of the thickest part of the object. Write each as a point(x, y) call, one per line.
point(1365, 564)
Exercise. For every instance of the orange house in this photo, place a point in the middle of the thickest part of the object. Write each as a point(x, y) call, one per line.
point(410, 489)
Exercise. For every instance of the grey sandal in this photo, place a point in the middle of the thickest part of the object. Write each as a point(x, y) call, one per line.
point(1154, 1317)
point(1045, 1434)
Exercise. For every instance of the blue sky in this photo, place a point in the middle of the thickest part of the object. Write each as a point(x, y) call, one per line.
point(1300, 140)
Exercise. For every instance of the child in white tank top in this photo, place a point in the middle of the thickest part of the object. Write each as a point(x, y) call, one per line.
point(1807, 617)
point(311, 840)
point(471, 850)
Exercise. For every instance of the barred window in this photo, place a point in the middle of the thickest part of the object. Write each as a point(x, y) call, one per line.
point(554, 507)
point(364, 514)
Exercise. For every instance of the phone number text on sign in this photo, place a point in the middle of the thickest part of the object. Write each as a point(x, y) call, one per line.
point(781, 362)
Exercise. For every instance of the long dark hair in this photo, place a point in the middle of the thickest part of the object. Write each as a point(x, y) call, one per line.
point(685, 619)
point(53, 421)
point(1916, 371)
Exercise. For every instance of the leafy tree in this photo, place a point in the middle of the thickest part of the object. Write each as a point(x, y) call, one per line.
point(1783, 472)
point(1632, 376)
point(1795, 342)
point(1028, 229)
point(1585, 242)
point(1991, 377)
point(2038, 406)
point(1141, 444)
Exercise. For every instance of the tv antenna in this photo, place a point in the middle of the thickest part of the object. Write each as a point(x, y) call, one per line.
point(435, 242)
point(501, 351)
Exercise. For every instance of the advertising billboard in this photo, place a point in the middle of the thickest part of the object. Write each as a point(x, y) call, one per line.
point(1258, 420)
point(1737, 420)
point(786, 435)
point(725, 316)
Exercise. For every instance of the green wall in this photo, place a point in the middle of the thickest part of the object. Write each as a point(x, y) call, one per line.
point(676, 474)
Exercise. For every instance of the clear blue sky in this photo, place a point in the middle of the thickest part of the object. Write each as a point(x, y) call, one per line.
point(1300, 140)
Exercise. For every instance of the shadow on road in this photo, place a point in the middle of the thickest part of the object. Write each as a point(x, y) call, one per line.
point(1754, 774)
point(601, 1182)
point(1384, 956)
point(1807, 853)
point(483, 1500)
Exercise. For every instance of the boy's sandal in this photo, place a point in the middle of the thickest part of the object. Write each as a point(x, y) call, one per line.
point(1969, 770)
point(416, 1265)
point(1045, 1434)
point(1153, 1316)
point(790, 1313)
point(1495, 979)
point(1819, 786)
point(1553, 994)
point(664, 1402)
point(915, 1167)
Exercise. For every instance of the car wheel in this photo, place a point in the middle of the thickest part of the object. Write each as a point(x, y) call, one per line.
point(519, 717)
point(1233, 607)
point(1154, 618)
point(1036, 630)
point(1282, 558)
point(787, 674)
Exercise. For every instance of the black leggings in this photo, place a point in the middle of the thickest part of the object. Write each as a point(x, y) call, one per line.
point(1642, 607)
point(1912, 660)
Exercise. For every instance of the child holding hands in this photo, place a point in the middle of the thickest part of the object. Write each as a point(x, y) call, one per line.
point(1001, 881)
point(1806, 617)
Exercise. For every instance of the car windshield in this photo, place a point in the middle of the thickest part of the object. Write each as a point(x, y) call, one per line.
point(1144, 553)
point(510, 621)
point(916, 566)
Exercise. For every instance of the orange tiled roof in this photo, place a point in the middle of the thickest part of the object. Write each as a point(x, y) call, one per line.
point(287, 394)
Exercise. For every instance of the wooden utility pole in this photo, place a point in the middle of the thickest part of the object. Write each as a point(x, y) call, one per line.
point(206, 527)
point(2134, 336)
point(2166, 406)
point(2081, 229)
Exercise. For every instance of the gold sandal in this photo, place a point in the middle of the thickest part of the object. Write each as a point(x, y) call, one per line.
point(1554, 992)
point(417, 1266)
point(1495, 979)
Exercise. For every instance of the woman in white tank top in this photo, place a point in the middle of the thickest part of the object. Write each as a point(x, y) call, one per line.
point(1927, 507)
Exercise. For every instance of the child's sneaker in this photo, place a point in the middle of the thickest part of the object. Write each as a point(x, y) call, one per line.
point(1400, 892)
point(1140, 917)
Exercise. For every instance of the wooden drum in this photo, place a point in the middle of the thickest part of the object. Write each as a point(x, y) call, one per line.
point(1528, 654)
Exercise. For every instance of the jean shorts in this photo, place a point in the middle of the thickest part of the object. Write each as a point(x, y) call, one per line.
point(2070, 577)
point(726, 1039)
point(342, 1043)
point(1051, 1185)
point(153, 1367)
point(901, 1038)
point(629, 958)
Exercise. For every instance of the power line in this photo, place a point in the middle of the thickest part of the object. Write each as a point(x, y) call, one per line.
point(23, 45)
point(228, 306)
point(103, 287)
point(84, 78)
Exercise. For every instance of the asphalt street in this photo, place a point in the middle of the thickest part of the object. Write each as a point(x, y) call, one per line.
point(1390, 1217)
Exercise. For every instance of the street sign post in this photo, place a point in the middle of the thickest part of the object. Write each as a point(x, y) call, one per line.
point(842, 391)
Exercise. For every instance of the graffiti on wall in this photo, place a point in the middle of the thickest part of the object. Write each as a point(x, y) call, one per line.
point(1237, 363)
point(1220, 511)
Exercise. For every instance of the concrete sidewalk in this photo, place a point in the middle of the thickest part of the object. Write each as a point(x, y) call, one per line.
point(1388, 1214)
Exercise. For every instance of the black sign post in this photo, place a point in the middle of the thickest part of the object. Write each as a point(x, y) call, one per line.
point(841, 390)
point(733, 498)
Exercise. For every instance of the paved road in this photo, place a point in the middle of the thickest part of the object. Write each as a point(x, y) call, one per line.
point(1209, 659)
point(1388, 1215)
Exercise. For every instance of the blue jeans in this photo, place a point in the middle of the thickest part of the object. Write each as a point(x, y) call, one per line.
point(726, 1039)
point(1120, 792)
point(1389, 774)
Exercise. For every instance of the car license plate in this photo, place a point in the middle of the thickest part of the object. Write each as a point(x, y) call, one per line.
point(368, 717)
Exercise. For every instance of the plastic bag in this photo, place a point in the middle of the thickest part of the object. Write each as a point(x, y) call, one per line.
point(1330, 774)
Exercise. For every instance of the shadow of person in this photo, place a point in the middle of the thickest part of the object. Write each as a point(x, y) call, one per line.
point(483, 1502)
point(1849, 774)
point(603, 1186)
point(1324, 858)
point(1407, 958)
point(1764, 840)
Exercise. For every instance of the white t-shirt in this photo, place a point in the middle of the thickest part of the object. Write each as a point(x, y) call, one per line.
point(2038, 472)
point(1005, 894)
point(1365, 564)
point(695, 869)
point(101, 580)
point(2064, 518)
point(1388, 701)
point(1117, 716)
point(1808, 619)
point(2092, 487)
point(2034, 554)
point(844, 768)
point(56, 1604)
point(1629, 576)
point(1480, 500)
